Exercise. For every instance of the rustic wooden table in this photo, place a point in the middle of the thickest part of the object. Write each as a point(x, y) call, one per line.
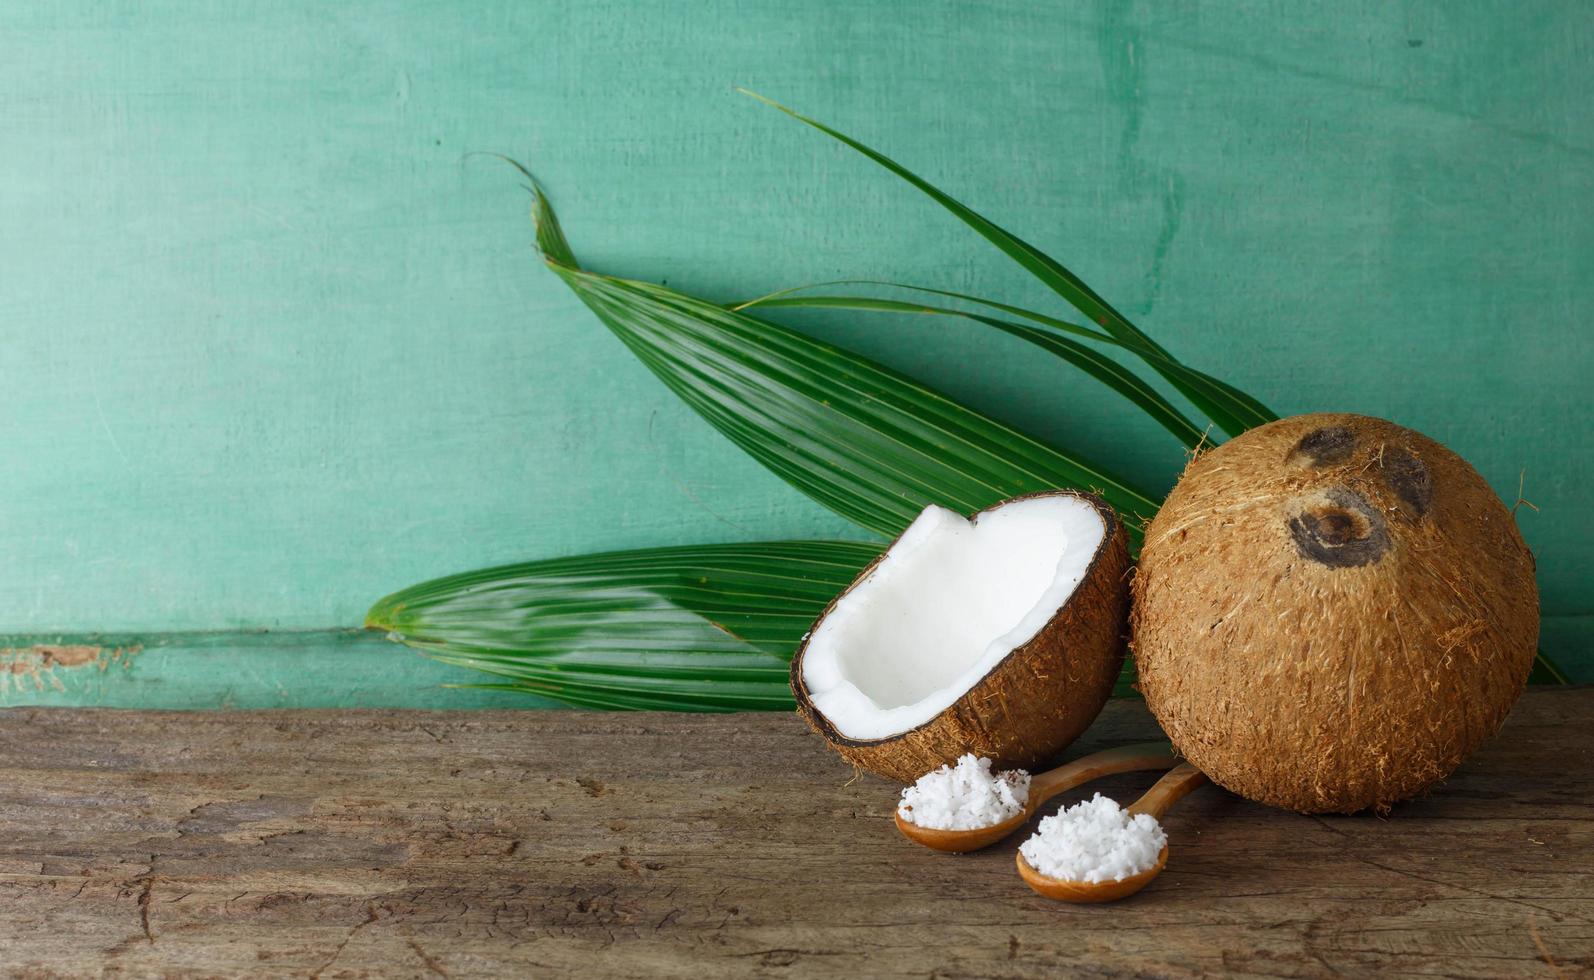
point(400, 843)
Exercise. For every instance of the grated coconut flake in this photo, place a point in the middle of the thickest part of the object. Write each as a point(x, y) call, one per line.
point(1094, 841)
point(965, 797)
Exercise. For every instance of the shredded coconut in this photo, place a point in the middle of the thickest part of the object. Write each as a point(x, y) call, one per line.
point(1093, 841)
point(964, 797)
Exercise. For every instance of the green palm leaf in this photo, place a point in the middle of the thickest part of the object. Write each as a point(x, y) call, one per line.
point(1231, 409)
point(869, 443)
point(705, 628)
point(1190, 378)
point(712, 628)
point(696, 628)
point(1104, 369)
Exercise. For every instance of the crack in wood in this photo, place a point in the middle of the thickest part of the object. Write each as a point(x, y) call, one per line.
point(143, 909)
point(426, 958)
point(370, 917)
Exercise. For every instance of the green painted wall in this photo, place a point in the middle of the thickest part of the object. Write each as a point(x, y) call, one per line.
point(274, 343)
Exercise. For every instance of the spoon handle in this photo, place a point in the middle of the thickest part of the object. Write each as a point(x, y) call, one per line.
point(1124, 758)
point(1169, 790)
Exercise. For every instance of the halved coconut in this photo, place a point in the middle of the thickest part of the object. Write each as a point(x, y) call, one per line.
point(999, 635)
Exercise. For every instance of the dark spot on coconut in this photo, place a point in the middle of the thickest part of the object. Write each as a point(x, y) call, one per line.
point(1340, 530)
point(1408, 477)
point(1323, 447)
point(1336, 528)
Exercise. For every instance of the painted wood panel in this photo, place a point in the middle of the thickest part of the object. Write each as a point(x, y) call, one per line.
point(275, 342)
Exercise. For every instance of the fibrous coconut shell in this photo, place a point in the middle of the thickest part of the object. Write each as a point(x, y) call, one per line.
point(1035, 701)
point(1331, 611)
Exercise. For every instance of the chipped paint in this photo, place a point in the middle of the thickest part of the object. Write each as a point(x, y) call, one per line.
point(44, 666)
point(332, 668)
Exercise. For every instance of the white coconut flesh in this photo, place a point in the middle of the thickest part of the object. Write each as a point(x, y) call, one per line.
point(945, 605)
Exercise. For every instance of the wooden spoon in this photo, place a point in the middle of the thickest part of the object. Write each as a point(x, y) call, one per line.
point(1126, 758)
point(1157, 801)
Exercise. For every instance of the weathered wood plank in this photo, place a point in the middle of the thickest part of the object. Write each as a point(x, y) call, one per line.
point(412, 843)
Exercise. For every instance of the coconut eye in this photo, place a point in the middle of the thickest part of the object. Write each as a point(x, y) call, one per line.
point(1322, 447)
point(1339, 529)
point(1408, 477)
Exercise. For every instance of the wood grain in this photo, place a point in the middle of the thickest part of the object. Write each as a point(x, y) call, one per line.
point(402, 843)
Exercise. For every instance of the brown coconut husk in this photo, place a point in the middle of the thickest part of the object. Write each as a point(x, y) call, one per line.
point(1032, 704)
point(1331, 612)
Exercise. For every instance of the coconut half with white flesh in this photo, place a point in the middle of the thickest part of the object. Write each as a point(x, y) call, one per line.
point(1000, 635)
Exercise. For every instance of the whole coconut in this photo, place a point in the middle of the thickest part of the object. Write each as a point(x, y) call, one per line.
point(1331, 611)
